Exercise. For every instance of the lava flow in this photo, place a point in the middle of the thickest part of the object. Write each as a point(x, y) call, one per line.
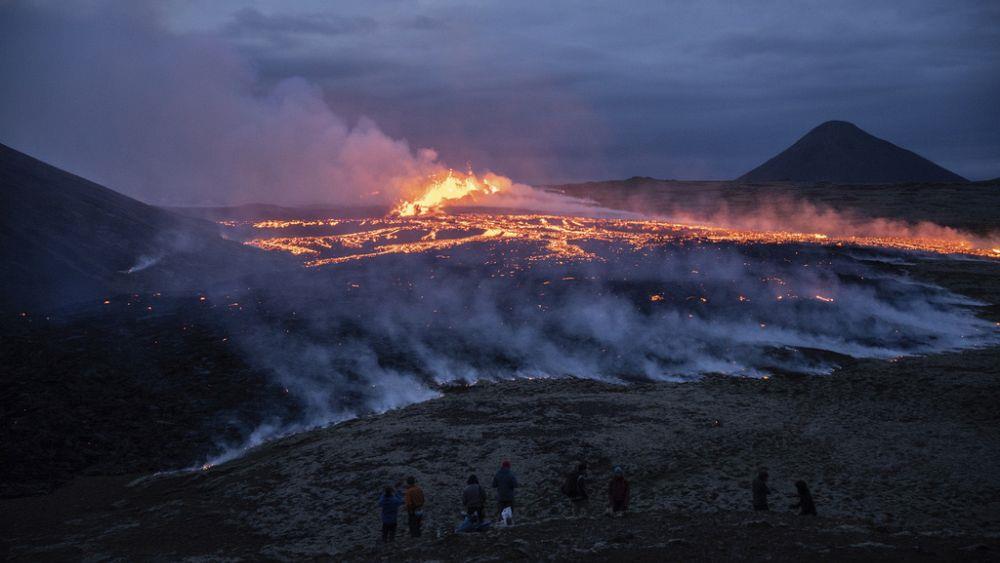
point(421, 224)
point(550, 236)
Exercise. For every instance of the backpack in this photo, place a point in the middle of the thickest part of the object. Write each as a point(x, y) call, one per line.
point(570, 486)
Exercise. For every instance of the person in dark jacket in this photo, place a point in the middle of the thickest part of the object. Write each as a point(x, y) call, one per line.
point(577, 484)
point(805, 505)
point(473, 499)
point(618, 493)
point(414, 500)
point(504, 482)
point(760, 491)
point(390, 502)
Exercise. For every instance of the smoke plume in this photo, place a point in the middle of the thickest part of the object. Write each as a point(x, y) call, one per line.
point(381, 333)
point(181, 118)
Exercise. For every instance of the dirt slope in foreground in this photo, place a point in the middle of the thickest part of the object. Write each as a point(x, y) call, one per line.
point(911, 445)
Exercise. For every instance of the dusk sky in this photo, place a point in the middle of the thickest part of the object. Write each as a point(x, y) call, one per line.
point(543, 92)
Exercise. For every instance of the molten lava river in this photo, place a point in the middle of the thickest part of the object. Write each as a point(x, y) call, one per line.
point(462, 296)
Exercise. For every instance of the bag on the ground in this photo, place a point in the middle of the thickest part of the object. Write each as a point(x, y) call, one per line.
point(507, 516)
point(466, 525)
point(472, 525)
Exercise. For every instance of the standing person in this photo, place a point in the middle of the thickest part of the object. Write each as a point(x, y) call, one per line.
point(504, 482)
point(390, 502)
point(473, 499)
point(575, 488)
point(760, 491)
point(414, 500)
point(618, 493)
point(805, 504)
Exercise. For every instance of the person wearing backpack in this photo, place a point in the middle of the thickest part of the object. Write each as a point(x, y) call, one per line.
point(473, 499)
point(575, 487)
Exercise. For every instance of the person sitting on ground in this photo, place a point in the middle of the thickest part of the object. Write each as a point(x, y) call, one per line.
point(805, 504)
point(575, 488)
point(618, 493)
point(504, 482)
point(473, 499)
point(760, 491)
point(414, 500)
point(390, 502)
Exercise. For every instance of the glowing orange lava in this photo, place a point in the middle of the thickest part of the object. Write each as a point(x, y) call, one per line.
point(554, 237)
point(453, 186)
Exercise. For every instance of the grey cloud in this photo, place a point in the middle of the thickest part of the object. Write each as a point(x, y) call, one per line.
point(249, 21)
point(564, 90)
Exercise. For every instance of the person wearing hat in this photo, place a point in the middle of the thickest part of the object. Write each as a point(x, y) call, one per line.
point(618, 493)
point(504, 482)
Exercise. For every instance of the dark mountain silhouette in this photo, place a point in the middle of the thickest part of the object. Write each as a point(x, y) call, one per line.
point(838, 151)
point(66, 239)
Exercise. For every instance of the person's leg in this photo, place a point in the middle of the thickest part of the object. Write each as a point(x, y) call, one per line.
point(385, 532)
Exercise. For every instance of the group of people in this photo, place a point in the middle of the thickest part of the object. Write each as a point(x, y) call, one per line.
point(474, 496)
point(575, 487)
point(577, 482)
point(392, 499)
point(805, 506)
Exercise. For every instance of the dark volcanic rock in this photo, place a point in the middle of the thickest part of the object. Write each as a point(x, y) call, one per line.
point(838, 151)
point(64, 239)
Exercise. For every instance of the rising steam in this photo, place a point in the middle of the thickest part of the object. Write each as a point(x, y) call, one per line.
point(375, 334)
point(183, 118)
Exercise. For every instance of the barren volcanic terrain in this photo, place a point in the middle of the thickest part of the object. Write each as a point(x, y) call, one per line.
point(865, 368)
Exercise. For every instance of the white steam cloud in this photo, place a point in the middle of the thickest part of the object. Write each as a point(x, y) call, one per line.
point(107, 91)
point(378, 334)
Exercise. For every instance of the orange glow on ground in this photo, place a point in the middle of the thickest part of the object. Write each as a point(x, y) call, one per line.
point(555, 237)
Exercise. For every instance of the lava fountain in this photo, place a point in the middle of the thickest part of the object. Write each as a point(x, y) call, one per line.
point(452, 187)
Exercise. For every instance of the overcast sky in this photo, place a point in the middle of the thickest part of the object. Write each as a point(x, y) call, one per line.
point(556, 91)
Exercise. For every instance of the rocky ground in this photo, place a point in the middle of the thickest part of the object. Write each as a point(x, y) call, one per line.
point(900, 455)
point(144, 383)
point(902, 458)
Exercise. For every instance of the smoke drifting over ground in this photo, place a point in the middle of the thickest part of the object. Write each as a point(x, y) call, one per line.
point(384, 332)
point(182, 118)
point(797, 215)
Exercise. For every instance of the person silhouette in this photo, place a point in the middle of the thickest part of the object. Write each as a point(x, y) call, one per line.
point(805, 505)
point(760, 491)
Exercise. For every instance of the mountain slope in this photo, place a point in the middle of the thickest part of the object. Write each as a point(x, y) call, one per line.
point(65, 239)
point(838, 151)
